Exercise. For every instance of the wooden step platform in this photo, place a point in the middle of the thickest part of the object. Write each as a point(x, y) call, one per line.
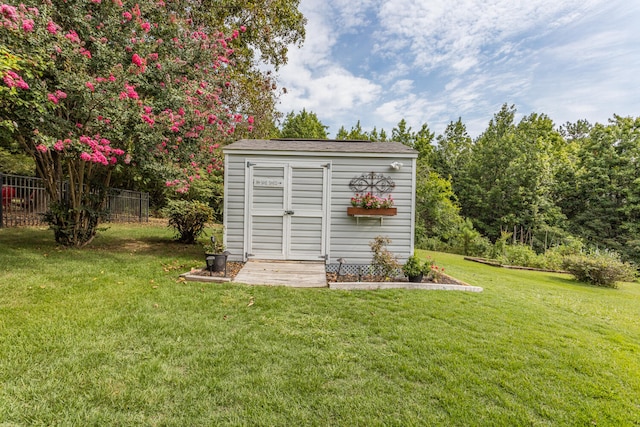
point(297, 274)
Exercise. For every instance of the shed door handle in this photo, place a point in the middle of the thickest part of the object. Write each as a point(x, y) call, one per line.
point(289, 212)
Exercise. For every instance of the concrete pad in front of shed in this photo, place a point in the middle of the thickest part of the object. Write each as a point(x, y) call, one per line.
point(297, 274)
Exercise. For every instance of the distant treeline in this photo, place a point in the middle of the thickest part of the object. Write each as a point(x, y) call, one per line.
point(530, 182)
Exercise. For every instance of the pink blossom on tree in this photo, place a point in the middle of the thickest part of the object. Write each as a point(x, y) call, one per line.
point(99, 102)
point(12, 79)
point(136, 60)
point(27, 25)
point(72, 36)
point(52, 27)
point(8, 12)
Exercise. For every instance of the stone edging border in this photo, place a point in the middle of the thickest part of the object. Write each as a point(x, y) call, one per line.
point(198, 278)
point(459, 286)
point(369, 286)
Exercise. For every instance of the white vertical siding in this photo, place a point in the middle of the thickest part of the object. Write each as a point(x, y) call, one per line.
point(349, 238)
point(234, 200)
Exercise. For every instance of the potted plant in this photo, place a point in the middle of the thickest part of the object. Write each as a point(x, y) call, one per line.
point(414, 269)
point(370, 204)
point(215, 255)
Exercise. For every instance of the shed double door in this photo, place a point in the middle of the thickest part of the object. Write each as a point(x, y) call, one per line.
point(287, 210)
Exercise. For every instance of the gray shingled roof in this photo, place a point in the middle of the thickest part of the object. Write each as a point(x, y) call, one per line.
point(320, 146)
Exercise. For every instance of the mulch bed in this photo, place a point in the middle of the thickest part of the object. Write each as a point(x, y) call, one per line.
point(443, 279)
point(234, 267)
point(232, 270)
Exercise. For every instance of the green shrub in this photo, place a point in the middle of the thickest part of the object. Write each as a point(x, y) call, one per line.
point(521, 255)
point(603, 269)
point(468, 241)
point(463, 240)
point(428, 243)
point(188, 218)
point(385, 264)
point(414, 266)
point(553, 258)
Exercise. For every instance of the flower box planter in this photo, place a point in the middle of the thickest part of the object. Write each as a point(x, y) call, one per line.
point(351, 211)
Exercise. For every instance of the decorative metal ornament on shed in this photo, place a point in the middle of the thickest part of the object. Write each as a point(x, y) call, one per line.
point(372, 182)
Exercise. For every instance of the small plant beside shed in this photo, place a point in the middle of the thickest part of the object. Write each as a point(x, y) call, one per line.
point(415, 269)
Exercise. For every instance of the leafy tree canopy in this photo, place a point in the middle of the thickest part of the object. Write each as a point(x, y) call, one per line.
point(305, 125)
point(272, 25)
point(355, 134)
point(89, 87)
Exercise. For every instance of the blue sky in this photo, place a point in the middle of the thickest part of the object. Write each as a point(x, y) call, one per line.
point(432, 61)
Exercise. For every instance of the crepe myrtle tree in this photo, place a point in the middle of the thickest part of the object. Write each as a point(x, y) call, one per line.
point(89, 87)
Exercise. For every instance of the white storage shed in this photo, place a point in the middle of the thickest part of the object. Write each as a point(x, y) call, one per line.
point(289, 199)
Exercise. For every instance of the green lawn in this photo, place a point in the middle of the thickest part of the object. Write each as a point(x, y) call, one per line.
point(109, 336)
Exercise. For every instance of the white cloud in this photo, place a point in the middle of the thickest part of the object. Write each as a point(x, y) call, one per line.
point(314, 80)
point(453, 34)
point(402, 86)
point(330, 95)
point(351, 14)
point(414, 109)
point(432, 61)
point(388, 77)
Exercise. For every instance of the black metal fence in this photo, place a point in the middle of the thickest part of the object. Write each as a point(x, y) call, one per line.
point(128, 206)
point(24, 200)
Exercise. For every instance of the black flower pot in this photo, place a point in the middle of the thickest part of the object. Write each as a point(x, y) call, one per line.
point(216, 262)
point(416, 279)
